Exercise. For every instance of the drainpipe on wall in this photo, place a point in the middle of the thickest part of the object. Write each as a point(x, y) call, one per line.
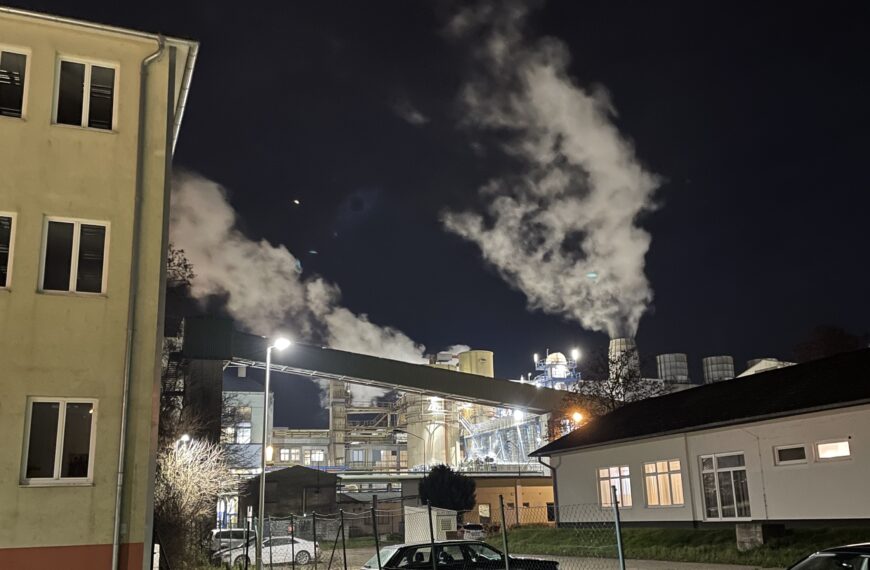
point(131, 306)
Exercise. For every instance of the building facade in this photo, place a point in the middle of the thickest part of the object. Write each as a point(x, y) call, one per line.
point(788, 446)
point(88, 116)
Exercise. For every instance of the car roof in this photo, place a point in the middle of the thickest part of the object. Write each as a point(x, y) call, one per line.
point(859, 548)
point(427, 543)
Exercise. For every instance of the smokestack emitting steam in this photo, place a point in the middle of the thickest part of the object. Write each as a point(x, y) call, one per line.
point(263, 283)
point(562, 230)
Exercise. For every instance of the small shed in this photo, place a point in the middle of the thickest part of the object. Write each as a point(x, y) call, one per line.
point(417, 524)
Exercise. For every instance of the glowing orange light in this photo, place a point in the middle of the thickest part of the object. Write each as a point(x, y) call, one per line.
point(577, 417)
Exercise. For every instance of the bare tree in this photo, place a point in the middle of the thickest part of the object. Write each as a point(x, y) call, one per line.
point(190, 476)
point(614, 379)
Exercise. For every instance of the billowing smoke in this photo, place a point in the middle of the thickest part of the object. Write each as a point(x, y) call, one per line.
point(263, 284)
point(562, 229)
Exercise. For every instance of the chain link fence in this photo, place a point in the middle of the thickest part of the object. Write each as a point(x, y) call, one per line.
point(365, 536)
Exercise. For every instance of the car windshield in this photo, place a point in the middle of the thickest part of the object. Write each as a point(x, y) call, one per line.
point(482, 551)
point(385, 554)
point(473, 527)
point(834, 561)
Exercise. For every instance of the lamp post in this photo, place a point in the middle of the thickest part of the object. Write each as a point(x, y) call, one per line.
point(423, 441)
point(280, 343)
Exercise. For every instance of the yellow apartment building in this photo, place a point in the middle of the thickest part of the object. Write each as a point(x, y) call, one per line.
point(89, 116)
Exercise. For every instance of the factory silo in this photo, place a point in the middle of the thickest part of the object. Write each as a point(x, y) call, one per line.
point(673, 367)
point(623, 357)
point(717, 368)
point(478, 362)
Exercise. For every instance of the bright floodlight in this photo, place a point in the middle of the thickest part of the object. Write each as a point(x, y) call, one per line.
point(535, 357)
point(575, 354)
point(577, 417)
point(184, 438)
point(518, 415)
point(281, 343)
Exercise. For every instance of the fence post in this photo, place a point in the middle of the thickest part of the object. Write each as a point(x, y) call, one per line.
point(504, 538)
point(293, 544)
point(314, 534)
point(377, 539)
point(269, 522)
point(247, 539)
point(431, 537)
point(343, 544)
point(615, 503)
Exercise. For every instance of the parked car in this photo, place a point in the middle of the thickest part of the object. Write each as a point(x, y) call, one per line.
point(276, 550)
point(223, 538)
point(472, 531)
point(453, 555)
point(849, 557)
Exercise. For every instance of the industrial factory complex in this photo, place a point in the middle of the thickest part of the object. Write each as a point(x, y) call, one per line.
point(453, 411)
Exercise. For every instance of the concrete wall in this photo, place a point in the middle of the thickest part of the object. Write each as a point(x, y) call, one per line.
point(73, 345)
point(815, 490)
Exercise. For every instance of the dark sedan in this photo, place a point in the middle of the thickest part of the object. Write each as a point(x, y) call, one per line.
point(453, 555)
point(851, 557)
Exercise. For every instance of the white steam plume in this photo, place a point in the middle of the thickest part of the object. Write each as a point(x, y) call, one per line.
point(263, 283)
point(563, 230)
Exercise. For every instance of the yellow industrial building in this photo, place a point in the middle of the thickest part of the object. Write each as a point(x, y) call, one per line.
point(89, 115)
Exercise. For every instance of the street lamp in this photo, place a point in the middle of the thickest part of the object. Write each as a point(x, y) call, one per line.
point(280, 344)
point(423, 441)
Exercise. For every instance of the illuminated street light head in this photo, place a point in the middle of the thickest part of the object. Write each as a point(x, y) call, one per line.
point(281, 343)
point(184, 438)
point(577, 417)
point(575, 354)
point(535, 358)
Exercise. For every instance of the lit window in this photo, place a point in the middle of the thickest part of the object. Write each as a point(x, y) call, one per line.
point(725, 486)
point(790, 454)
point(243, 432)
point(85, 95)
point(833, 449)
point(60, 440)
point(13, 67)
point(7, 241)
point(74, 256)
point(284, 455)
point(664, 483)
point(618, 477)
point(295, 454)
point(317, 455)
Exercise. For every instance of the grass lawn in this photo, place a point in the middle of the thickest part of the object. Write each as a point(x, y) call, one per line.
point(678, 545)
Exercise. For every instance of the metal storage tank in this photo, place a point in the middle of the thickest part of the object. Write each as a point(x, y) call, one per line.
point(718, 368)
point(673, 367)
point(619, 346)
point(478, 362)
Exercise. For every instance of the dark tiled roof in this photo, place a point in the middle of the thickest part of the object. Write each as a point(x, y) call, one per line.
point(837, 381)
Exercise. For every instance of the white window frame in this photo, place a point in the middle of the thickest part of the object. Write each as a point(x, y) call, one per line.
point(86, 94)
point(777, 448)
point(14, 217)
point(74, 262)
point(670, 473)
point(28, 54)
point(716, 471)
point(321, 453)
point(284, 455)
point(847, 440)
point(296, 454)
point(57, 480)
point(623, 479)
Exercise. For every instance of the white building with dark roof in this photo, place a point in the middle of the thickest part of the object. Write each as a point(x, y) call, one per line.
point(787, 446)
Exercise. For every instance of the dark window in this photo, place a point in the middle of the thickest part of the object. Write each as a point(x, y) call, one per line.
point(58, 256)
point(12, 66)
point(64, 424)
point(42, 442)
point(791, 454)
point(76, 439)
point(102, 97)
point(551, 512)
point(92, 244)
point(70, 93)
point(76, 250)
point(5, 245)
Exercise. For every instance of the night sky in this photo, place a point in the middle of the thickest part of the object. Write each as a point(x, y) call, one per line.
point(754, 114)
